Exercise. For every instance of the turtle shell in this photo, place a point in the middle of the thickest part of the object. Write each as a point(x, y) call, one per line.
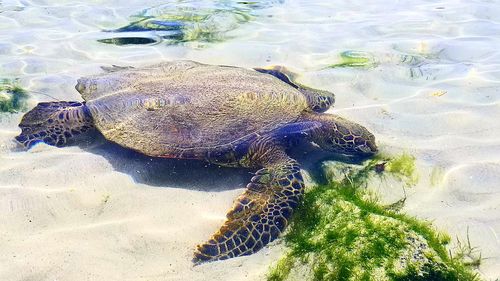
point(184, 109)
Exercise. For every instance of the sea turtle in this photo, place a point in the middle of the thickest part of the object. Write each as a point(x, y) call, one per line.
point(226, 115)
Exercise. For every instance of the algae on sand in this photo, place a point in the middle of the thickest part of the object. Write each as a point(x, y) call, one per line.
point(341, 232)
point(355, 59)
point(403, 168)
point(13, 98)
point(413, 66)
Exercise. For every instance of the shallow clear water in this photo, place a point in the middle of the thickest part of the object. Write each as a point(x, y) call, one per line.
point(426, 80)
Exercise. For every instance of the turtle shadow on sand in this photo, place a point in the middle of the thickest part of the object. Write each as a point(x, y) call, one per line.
point(165, 172)
point(193, 174)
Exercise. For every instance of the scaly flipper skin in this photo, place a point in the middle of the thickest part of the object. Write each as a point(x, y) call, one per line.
point(318, 100)
point(54, 123)
point(262, 212)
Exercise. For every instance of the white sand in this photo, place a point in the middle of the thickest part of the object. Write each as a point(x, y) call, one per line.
point(102, 213)
point(76, 218)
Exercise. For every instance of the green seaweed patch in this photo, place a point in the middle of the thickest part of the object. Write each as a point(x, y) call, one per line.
point(355, 59)
point(202, 25)
point(13, 98)
point(342, 232)
point(403, 167)
point(182, 22)
point(437, 176)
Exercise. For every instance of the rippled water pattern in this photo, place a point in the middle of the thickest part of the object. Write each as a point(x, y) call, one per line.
point(424, 76)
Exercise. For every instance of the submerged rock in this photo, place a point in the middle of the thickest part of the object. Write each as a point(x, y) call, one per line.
point(341, 232)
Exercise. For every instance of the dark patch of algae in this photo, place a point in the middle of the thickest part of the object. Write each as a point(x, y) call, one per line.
point(342, 232)
point(13, 98)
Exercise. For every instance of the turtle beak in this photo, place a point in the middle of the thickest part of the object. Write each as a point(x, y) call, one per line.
point(373, 147)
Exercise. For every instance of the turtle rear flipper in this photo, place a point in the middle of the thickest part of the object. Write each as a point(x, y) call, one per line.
point(261, 213)
point(54, 123)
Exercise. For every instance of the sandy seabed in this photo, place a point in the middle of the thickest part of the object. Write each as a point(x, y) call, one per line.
point(100, 212)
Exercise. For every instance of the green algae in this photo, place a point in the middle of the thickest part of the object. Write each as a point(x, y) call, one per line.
point(355, 59)
point(437, 176)
point(415, 64)
point(182, 22)
point(403, 167)
point(13, 98)
point(342, 232)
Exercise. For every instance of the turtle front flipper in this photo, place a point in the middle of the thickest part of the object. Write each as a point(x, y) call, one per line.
point(54, 123)
point(261, 213)
point(318, 100)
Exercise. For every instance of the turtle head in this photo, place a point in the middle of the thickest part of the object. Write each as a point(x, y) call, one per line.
point(341, 136)
point(352, 139)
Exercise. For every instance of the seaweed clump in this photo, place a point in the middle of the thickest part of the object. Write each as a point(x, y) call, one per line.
point(186, 21)
point(342, 232)
point(355, 59)
point(13, 98)
point(413, 66)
